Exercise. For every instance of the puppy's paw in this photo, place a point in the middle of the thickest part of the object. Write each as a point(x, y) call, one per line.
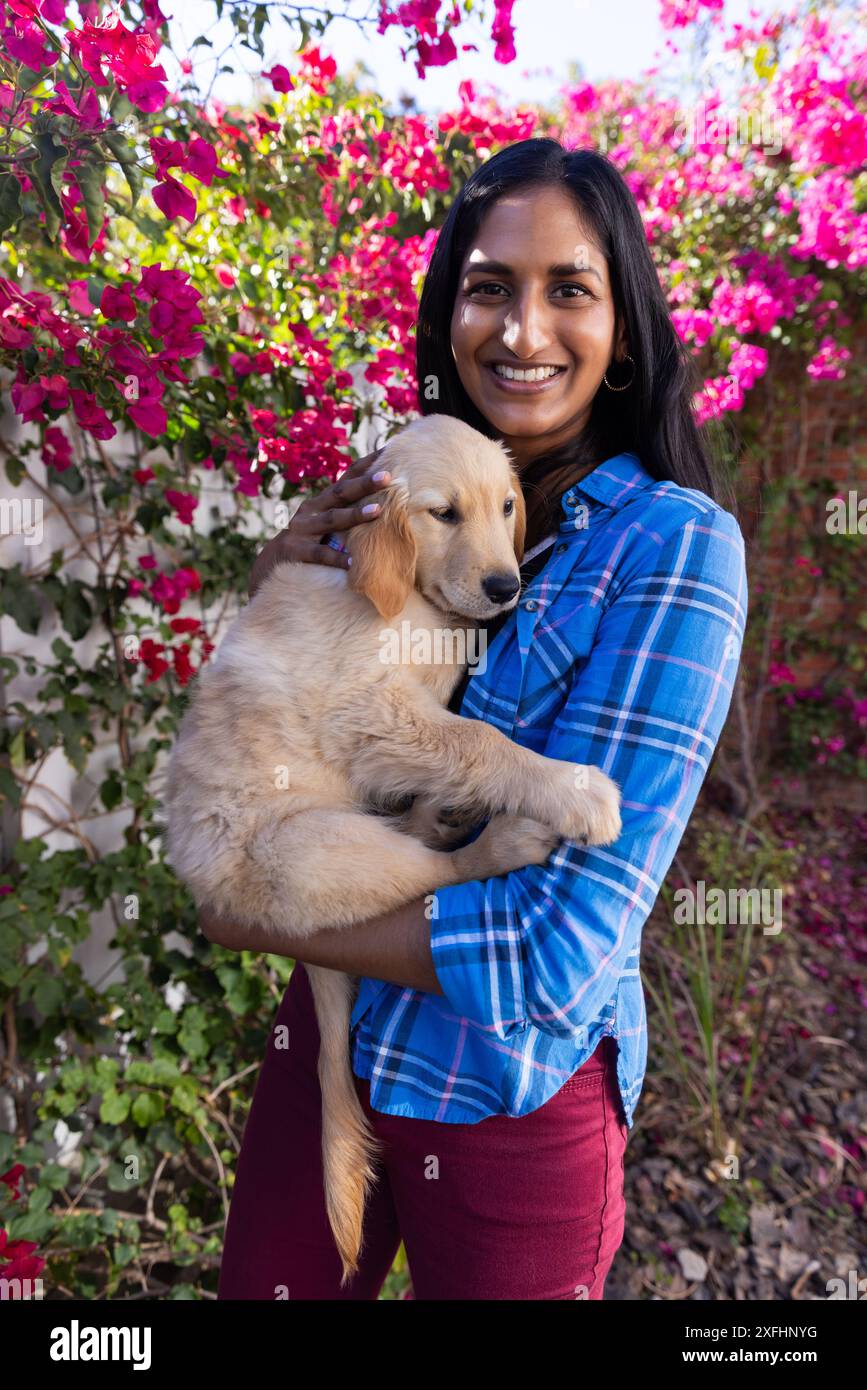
point(593, 812)
point(507, 842)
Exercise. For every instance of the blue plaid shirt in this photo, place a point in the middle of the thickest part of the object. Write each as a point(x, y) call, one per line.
point(622, 652)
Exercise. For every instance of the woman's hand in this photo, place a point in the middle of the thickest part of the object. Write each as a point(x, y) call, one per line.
point(337, 508)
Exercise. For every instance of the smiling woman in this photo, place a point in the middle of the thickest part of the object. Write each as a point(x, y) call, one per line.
point(501, 1026)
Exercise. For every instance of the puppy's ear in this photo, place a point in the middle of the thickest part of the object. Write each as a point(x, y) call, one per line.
point(520, 522)
point(384, 554)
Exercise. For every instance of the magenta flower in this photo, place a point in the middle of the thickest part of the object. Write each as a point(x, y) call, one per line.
point(174, 200)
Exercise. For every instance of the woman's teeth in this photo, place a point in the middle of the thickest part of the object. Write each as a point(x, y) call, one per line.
point(533, 374)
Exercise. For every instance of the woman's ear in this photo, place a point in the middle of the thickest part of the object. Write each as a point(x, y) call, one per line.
point(384, 554)
point(520, 521)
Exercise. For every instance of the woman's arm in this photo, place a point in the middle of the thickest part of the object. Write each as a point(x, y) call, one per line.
point(547, 945)
point(393, 947)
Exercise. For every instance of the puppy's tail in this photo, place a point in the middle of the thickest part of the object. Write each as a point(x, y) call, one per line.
point(349, 1150)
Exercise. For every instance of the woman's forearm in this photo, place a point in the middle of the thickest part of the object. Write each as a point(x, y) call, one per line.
point(393, 947)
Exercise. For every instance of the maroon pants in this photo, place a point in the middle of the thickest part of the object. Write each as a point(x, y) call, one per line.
point(507, 1208)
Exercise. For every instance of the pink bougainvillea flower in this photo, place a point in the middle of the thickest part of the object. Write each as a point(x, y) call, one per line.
point(225, 274)
point(56, 449)
point(280, 78)
point(828, 364)
point(117, 303)
point(78, 297)
point(150, 654)
point(780, 674)
point(166, 154)
point(183, 667)
point(12, 1179)
point(183, 504)
point(154, 16)
point(130, 57)
point(201, 160)
point(174, 200)
point(143, 475)
point(86, 112)
point(150, 417)
point(182, 625)
point(236, 207)
point(316, 70)
point(435, 55)
point(503, 32)
point(169, 591)
point(91, 416)
point(748, 363)
point(25, 43)
point(677, 14)
point(147, 562)
point(28, 398)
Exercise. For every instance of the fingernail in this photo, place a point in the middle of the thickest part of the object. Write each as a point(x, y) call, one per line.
point(380, 477)
point(371, 509)
point(348, 561)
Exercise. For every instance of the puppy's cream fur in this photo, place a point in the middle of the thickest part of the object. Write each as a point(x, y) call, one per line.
point(298, 728)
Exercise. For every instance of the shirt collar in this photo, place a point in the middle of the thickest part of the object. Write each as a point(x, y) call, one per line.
point(613, 483)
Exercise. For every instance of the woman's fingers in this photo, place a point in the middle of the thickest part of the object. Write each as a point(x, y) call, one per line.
point(343, 494)
point(346, 503)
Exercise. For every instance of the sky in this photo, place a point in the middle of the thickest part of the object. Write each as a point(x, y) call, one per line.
point(605, 38)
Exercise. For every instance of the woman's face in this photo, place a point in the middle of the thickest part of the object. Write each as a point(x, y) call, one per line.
point(533, 295)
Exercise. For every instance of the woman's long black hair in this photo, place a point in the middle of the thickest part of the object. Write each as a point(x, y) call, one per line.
point(654, 417)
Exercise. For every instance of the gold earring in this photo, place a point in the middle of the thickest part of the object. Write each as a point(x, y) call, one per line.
point(626, 358)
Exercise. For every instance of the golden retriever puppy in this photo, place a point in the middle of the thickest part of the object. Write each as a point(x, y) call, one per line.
point(326, 700)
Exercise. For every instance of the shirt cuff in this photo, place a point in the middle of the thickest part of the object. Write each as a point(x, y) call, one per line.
point(471, 970)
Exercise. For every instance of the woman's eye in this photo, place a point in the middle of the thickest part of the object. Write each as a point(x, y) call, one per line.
point(489, 285)
point(444, 513)
point(581, 290)
point(509, 507)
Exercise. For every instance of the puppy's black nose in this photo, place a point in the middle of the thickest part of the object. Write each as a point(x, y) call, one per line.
point(501, 587)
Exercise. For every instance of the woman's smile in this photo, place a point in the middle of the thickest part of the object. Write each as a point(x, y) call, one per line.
point(525, 378)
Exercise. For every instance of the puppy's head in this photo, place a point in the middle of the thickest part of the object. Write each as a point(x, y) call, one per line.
point(452, 524)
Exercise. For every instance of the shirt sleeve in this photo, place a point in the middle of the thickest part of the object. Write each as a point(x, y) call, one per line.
point(545, 945)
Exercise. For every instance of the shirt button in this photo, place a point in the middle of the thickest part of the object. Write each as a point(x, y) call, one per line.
point(561, 548)
point(531, 605)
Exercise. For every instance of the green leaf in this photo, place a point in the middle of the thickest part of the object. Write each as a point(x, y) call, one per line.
point(10, 202)
point(9, 789)
point(58, 168)
point(148, 1107)
point(114, 1108)
point(75, 611)
point(70, 479)
point(41, 173)
point(127, 157)
point(48, 994)
point(18, 599)
point(111, 791)
point(89, 178)
point(16, 749)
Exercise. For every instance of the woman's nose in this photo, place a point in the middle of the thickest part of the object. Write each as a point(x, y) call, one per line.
point(525, 330)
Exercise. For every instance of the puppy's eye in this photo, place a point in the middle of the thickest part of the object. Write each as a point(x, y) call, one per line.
point(444, 514)
point(509, 506)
